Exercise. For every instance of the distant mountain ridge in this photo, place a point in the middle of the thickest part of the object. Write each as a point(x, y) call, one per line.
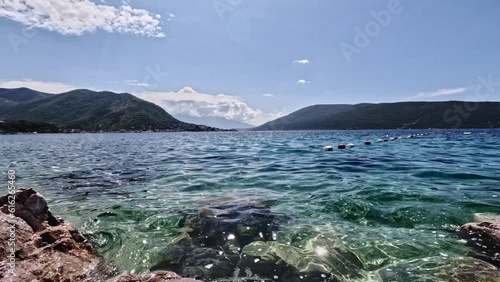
point(89, 110)
point(93, 111)
point(218, 122)
point(417, 115)
point(22, 95)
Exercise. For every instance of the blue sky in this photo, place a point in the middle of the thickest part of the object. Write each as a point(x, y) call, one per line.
point(254, 60)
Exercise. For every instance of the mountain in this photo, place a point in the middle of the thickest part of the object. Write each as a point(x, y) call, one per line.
point(218, 122)
point(5, 104)
point(22, 95)
point(418, 115)
point(90, 110)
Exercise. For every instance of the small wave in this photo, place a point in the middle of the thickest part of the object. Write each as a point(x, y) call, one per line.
point(445, 175)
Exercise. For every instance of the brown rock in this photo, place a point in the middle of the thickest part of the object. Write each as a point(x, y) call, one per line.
point(32, 208)
point(484, 237)
point(47, 249)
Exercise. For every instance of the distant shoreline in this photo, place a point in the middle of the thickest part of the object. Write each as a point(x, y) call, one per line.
point(109, 132)
point(235, 130)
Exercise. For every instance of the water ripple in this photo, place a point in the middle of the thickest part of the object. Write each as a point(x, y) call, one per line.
point(389, 202)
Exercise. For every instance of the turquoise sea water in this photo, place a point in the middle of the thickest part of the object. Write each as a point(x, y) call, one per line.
point(389, 205)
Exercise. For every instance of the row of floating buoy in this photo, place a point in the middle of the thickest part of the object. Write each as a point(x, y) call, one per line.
point(368, 142)
point(340, 147)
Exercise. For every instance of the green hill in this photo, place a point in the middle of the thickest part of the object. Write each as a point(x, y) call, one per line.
point(418, 115)
point(90, 110)
point(22, 95)
point(5, 104)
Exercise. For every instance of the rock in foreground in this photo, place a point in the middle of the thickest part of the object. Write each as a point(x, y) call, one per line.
point(210, 243)
point(45, 248)
point(484, 236)
point(456, 269)
point(238, 242)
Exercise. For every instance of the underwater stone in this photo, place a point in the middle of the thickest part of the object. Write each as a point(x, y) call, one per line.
point(215, 236)
point(324, 258)
point(457, 269)
point(160, 276)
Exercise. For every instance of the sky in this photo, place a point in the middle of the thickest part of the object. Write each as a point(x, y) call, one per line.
point(254, 61)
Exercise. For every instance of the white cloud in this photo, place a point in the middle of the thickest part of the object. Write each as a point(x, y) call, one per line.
point(302, 62)
point(268, 95)
point(189, 102)
point(42, 86)
point(438, 93)
point(136, 83)
point(302, 81)
point(75, 17)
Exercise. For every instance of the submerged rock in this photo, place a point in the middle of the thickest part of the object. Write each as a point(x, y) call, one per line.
point(210, 242)
point(159, 276)
point(456, 269)
point(323, 258)
point(238, 242)
point(484, 237)
point(37, 246)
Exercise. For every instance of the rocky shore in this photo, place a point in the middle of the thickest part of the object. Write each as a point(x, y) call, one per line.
point(226, 238)
point(36, 246)
point(484, 237)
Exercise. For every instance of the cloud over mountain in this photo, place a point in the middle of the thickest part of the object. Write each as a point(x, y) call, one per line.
point(437, 93)
point(42, 86)
point(189, 102)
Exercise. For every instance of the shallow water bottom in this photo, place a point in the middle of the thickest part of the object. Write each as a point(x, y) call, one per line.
point(384, 210)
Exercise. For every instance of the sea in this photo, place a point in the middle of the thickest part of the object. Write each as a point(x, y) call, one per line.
point(380, 212)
